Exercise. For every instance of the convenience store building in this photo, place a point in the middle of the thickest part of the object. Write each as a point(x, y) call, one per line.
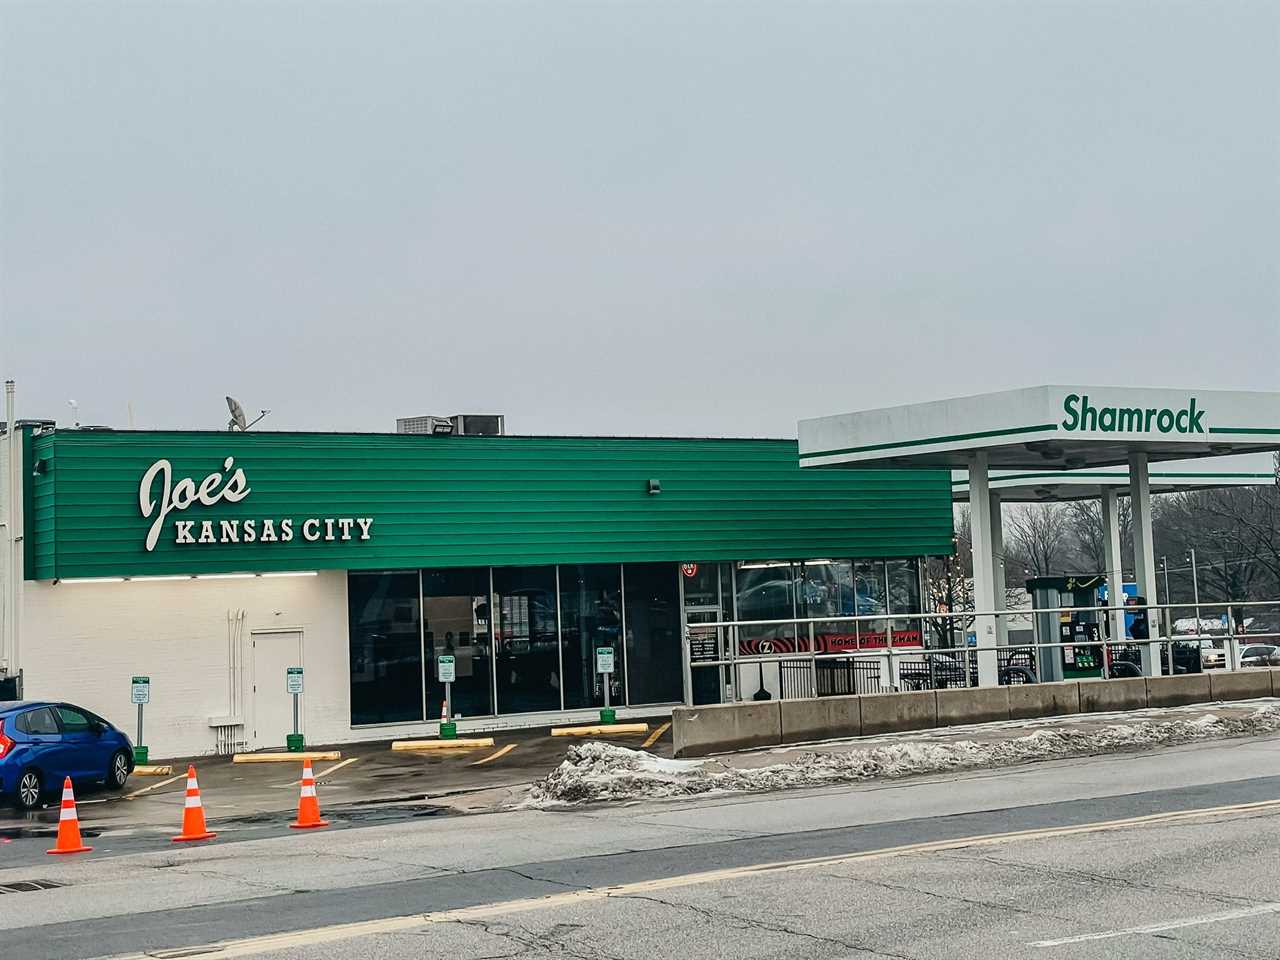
point(212, 561)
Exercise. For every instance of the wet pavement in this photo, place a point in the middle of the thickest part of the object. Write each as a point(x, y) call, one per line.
point(370, 784)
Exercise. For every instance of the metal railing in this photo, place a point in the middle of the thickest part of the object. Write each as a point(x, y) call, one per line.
point(806, 672)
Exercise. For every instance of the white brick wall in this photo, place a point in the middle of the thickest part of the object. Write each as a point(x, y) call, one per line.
point(83, 641)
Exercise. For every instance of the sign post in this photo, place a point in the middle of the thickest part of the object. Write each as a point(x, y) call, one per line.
point(140, 693)
point(293, 687)
point(446, 673)
point(604, 667)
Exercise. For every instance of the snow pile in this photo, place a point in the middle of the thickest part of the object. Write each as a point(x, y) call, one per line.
point(594, 771)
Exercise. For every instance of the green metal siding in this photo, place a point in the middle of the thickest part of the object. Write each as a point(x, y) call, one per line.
point(39, 499)
point(458, 501)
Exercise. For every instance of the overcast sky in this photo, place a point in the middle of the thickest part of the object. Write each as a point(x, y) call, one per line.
point(630, 217)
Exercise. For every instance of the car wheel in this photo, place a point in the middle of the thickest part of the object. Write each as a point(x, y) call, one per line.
point(30, 790)
point(119, 771)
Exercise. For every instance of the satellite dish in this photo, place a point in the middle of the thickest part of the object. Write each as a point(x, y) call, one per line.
point(238, 419)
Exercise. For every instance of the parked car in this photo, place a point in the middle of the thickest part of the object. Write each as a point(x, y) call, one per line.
point(1213, 654)
point(1260, 655)
point(43, 741)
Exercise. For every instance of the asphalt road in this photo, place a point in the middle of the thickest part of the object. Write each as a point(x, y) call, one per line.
point(1163, 855)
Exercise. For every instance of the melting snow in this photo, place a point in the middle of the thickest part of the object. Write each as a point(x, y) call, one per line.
point(596, 771)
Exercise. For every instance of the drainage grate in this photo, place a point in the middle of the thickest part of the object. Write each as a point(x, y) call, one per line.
point(30, 886)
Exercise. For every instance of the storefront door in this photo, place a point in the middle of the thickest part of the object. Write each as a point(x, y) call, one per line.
point(706, 596)
point(272, 717)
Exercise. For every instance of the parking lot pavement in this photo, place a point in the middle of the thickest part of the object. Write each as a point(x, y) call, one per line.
point(369, 784)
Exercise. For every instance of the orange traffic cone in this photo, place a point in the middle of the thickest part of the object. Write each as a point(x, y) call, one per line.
point(193, 825)
point(308, 802)
point(68, 824)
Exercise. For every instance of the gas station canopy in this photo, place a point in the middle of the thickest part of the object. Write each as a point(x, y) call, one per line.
point(1021, 486)
point(1054, 429)
point(1050, 427)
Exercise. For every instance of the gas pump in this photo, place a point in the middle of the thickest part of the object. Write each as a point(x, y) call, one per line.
point(1082, 657)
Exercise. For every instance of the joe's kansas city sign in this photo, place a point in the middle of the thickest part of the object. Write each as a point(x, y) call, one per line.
point(159, 497)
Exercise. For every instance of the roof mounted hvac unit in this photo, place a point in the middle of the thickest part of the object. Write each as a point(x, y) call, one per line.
point(466, 424)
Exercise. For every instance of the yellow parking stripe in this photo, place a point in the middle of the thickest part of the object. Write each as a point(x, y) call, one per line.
point(494, 756)
point(323, 773)
point(655, 736)
point(148, 789)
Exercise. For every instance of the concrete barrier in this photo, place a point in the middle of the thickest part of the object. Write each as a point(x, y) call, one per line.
point(972, 705)
point(1104, 696)
point(821, 719)
point(895, 712)
point(698, 731)
point(1247, 684)
point(1178, 691)
point(1028, 700)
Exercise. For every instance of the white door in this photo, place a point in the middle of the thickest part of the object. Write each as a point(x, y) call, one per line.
point(272, 717)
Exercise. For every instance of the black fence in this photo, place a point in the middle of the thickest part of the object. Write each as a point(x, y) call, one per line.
point(834, 678)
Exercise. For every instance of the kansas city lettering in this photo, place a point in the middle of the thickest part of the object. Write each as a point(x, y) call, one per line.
point(268, 530)
point(1082, 416)
point(159, 496)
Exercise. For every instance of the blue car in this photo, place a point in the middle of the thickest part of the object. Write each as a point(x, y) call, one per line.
point(43, 741)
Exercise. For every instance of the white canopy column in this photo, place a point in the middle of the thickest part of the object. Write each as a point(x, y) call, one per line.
point(1114, 561)
point(997, 567)
point(983, 567)
point(1144, 551)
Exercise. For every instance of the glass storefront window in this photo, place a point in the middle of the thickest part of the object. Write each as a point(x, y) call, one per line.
point(826, 590)
point(869, 600)
point(456, 618)
point(385, 635)
point(590, 617)
point(655, 671)
point(766, 591)
point(904, 597)
point(526, 639)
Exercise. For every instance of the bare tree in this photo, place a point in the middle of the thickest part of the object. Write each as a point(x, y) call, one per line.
point(1037, 535)
point(1088, 536)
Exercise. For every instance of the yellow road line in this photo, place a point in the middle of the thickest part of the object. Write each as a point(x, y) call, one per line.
point(494, 756)
point(154, 786)
point(253, 946)
point(655, 736)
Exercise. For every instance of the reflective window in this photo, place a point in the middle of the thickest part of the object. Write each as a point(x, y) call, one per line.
point(38, 722)
point(708, 597)
point(766, 591)
point(386, 647)
point(528, 660)
point(590, 617)
point(655, 671)
point(456, 618)
point(826, 589)
point(904, 597)
point(869, 599)
point(73, 721)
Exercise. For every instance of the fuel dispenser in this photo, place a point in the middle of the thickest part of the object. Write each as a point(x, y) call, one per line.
point(1083, 657)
